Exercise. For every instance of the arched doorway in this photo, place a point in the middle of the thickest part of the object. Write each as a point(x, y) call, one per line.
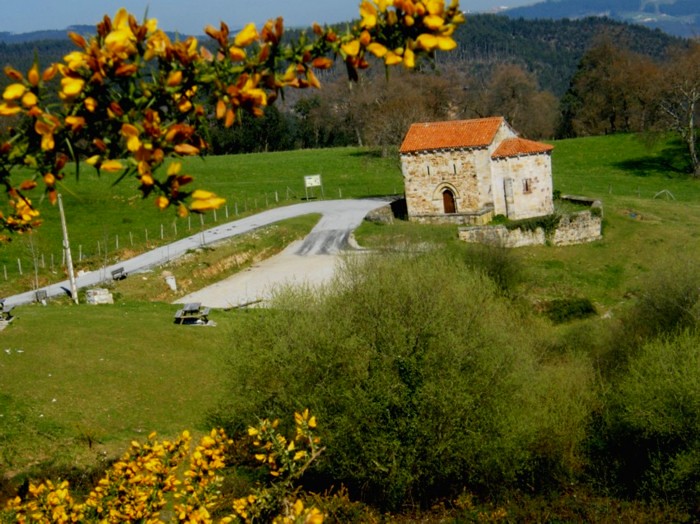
point(448, 201)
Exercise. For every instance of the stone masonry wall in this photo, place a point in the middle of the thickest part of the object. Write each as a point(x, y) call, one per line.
point(427, 174)
point(577, 228)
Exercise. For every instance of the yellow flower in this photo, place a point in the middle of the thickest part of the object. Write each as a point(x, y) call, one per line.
point(433, 22)
point(90, 104)
point(112, 166)
point(352, 48)
point(9, 108)
point(392, 58)
point(369, 15)
point(71, 86)
point(446, 43)
point(427, 41)
point(174, 78)
point(121, 39)
point(75, 60)
point(236, 54)
point(206, 204)
point(162, 202)
point(14, 92)
point(409, 59)
point(174, 168)
point(434, 7)
point(246, 36)
point(29, 99)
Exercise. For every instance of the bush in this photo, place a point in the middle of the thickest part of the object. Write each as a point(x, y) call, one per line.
point(653, 422)
point(565, 309)
point(667, 303)
point(500, 264)
point(424, 377)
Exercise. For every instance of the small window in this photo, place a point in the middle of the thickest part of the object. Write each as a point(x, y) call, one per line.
point(527, 186)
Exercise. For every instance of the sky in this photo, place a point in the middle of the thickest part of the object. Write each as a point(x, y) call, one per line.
point(191, 16)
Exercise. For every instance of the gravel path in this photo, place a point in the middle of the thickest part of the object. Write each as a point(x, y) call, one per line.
point(311, 260)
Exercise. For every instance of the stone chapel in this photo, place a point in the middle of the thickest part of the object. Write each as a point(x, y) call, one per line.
point(468, 171)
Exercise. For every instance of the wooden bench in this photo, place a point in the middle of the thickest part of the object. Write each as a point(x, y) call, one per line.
point(118, 274)
point(6, 312)
point(178, 316)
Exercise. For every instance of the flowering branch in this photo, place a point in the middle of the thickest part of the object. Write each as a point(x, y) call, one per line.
point(131, 102)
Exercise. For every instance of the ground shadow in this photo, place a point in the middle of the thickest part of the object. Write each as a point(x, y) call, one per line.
point(670, 162)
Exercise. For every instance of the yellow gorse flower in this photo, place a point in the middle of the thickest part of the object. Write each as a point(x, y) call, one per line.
point(109, 84)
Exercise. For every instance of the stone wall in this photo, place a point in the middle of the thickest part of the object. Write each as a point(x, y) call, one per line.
point(530, 181)
point(575, 228)
point(426, 175)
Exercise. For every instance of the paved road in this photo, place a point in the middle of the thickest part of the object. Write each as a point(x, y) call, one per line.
point(329, 236)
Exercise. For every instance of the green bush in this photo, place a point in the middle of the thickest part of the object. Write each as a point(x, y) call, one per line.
point(565, 309)
point(501, 264)
point(653, 421)
point(423, 377)
point(667, 303)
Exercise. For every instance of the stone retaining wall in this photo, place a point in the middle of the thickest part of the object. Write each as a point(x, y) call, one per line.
point(575, 228)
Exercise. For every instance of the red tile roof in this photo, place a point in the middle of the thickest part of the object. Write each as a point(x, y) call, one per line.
point(453, 134)
point(519, 146)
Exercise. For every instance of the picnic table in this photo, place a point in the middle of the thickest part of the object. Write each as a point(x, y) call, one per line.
point(192, 313)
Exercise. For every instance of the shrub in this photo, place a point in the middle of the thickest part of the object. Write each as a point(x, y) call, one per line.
point(652, 425)
point(500, 264)
point(424, 377)
point(667, 303)
point(565, 309)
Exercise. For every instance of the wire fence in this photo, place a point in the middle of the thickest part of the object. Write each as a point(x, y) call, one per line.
point(38, 264)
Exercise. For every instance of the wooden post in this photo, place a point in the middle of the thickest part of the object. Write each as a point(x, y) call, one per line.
point(116, 242)
point(19, 266)
point(66, 249)
point(131, 239)
point(146, 230)
point(162, 233)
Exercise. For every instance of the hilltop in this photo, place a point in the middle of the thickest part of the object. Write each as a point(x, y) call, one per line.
point(675, 17)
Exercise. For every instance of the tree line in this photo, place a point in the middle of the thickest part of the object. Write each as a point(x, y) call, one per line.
point(548, 78)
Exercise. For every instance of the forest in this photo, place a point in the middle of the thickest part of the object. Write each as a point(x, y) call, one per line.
point(531, 71)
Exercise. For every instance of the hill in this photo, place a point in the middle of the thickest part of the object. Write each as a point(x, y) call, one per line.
point(675, 17)
point(549, 48)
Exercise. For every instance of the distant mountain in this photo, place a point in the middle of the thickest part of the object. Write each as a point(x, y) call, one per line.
point(550, 49)
point(675, 17)
point(52, 34)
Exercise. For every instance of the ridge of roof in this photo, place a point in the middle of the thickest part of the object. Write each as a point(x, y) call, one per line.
point(517, 146)
point(451, 134)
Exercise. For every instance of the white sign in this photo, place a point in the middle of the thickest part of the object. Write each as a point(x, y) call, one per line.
point(312, 181)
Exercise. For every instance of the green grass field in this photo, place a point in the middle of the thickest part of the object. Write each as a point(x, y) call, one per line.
point(107, 223)
point(76, 382)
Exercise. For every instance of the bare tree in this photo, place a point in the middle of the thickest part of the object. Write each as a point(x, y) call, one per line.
point(680, 97)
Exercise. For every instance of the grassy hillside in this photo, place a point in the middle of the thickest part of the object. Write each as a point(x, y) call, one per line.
point(78, 383)
point(108, 223)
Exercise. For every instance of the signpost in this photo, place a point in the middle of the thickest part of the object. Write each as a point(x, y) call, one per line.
point(312, 181)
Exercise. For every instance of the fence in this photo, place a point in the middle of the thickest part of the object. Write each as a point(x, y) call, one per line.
point(50, 263)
